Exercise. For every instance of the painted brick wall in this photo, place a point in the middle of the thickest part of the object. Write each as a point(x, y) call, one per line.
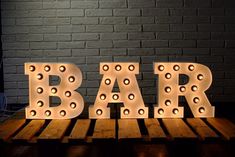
point(91, 31)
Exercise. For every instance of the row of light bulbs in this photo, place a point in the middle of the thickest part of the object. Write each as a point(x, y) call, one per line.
point(53, 91)
point(176, 111)
point(125, 112)
point(176, 67)
point(182, 89)
point(47, 68)
point(118, 67)
point(116, 96)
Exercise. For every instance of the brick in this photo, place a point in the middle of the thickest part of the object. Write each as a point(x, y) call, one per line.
point(141, 3)
point(142, 35)
point(126, 59)
point(113, 52)
point(99, 28)
point(127, 28)
point(85, 36)
point(228, 12)
point(183, 27)
point(99, 44)
point(198, 19)
point(113, 36)
point(222, 3)
point(8, 5)
point(42, 29)
point(183, 12)
point(42, 45)
point(196, 51)
point(126, 43)
point(56, 4)
point(210, 12)
point(29, 21)
point(151, 59)
point(113, 4)
point(75, 60)
point(15, 61)
point(140, 20)
point(196, 35)
point(38, 13)
point(84, 4)
point(197, 3)
point(71, 45)
point(154, 43)
point(223, 35)
point(69, 12)
point(57, 37)
point(230, 27)
point(98, 59)
point(155, 12)
point(85, 52)
point(56, 21)
point(14, 29)
point(98, 12)
point(210, 27)
point(29, 37)
point(140, 51)
point(84, 20)
point(230, 44)
point(28, 5)
point(126, 12)
point(168, 19)
point(71, 28)
point(169, 3)
point(182, 43)
point(210, 43)
point(169, 35)
point(15, 46)
point(182, 59)
point(222, 19)
point(112, 20)
point(210, 59)
point(58, 53)
point(168, 51)
point(156, 27)
point(8, 38)
point(8, 22)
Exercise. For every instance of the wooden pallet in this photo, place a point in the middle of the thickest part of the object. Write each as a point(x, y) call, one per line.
point(87, 131)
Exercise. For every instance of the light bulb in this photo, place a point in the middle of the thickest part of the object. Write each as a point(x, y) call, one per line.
point(68, 93)
point(32, 68)
point(62, 68)
point(73, 105)
point(62, 113)
point(107, 81)
point(71, 79)
point(194, 88)
point(168, 89)
point(196, 100)
point(168, 75)
point(118, 67)
point(115, 96)
point(176, 68)
point(201, 109)
point(191, 67)
point(126, 81)
point(33, 113)
point(160, 111)
point(182, 89)
point(131, 67)
point(102, 96)
point(167, 102)
point(175, 111)
point(131, 96)
point(126, 112)
point(141, 111)
point(39, 76)
point(105, 67)
point(161, 67)
point(39, 90)
point(40, 103)
point(47, 68)
point(99, 112)
point(200, 77)
point(48, 113)
point(53, 90)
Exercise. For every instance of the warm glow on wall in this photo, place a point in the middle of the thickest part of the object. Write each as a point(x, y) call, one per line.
point(72, 103)
point(129, 95)
point(169, 90)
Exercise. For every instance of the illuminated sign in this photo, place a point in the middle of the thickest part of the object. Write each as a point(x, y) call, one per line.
point(72, 104)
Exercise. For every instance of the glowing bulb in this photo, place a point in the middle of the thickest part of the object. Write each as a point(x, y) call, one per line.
point(68, 93)
point(118, 67)
point(126, 112)
point(105, 67)
point(62, 68)
point(191, 67)
point(39, 90)
point(201, 109)
point(167, 102)
point(168, 89)
point(131, 96)
point(107, 81)
point(126, 81)
point(47, 68)
point(40, 103)
point(131, 67)
point(196, 100)
point(168, 75)
point(48, 113)
point(194, 88)
point(160, 111)
point(99, 112)
point(176, 68)
point(71, 79)
point(39, 76)
point(115, 96)
point(182, 89)
point(102, 96)
point(33, 113)
point(62, 113)
point(32, 68)
point(161, 67)
point(141, 111)
point(53, 90)
point(73, 105)
point(200, 77)
point(175, 111)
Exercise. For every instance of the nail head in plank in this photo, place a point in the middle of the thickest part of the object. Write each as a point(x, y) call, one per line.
point(55, 130)
point(29, 130)
point(154, 128)
point(9, 127)
point(178, 129)
point(80, 130)
point(104, 129)
point(224, 126)
point(204, 131)
point(128, 129)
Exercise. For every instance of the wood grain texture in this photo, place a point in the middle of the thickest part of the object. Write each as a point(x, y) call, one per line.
point(80, 129)
point(128, 129)
point(104, 129)
point(154, 128)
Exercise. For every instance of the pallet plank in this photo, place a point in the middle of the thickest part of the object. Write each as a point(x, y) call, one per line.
point(104, 129)
point(202, 129)
point(29, 130)
point(154, 128)
point(9, 127)
point(54, 131)
point(128, 129)
point(224, 126)
point(178, 129)
point(80, 130)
